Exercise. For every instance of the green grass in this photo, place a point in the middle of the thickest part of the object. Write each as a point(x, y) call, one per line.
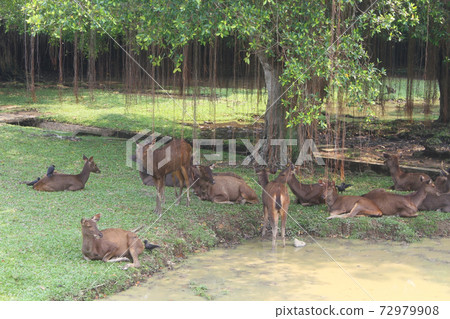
point(111, 109)
point(115, 110)
point(40, 233)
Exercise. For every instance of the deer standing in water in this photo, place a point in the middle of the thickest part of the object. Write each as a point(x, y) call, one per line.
point(275, 197)
point(66, 182)
point(112, 244)
point(403, 181)
point(178, 163)
point(348, 206)
point(402, 205)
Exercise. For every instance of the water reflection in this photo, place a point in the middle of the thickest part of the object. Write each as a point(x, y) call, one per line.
point(252, 271)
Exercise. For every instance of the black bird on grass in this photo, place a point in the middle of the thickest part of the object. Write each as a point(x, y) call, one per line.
point(33, 182)
point(50, 170)
point(341, 188)
point(149, 246)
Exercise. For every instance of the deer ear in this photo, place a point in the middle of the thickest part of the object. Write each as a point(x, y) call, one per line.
point(320, 181)
point(84, 157)
point(212, 166)
point(400, 155)
point(91, 158)
point(421, 178)
point(83, 220)
point(96, 218)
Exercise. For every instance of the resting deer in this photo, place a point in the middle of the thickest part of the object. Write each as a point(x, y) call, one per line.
point(403, 181)
point(275, 197)
point(221, 188)
point(178, 164)
point(402, 205)
point(348, 206)
point(65, 182)
point(307, 194)
point(112, 244)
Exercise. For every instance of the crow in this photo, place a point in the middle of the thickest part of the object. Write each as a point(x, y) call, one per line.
point(50, 170)
point(342, 187)
point(33, 182)
point(149, 246)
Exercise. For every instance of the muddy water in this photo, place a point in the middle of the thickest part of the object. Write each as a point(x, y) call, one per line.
point(251, 271)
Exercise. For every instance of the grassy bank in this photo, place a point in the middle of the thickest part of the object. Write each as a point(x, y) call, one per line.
point(40, 233)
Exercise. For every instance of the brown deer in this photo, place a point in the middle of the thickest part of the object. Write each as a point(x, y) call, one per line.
point(222, 188)
point(438, 203)
point(402, 205)
point(112, 244)
point(443, 182)
point(275, 197)
point(178, 164)
point(442, 202)
point(403, 181)
point(307, 194)
point(348, 206)
point(65, 182)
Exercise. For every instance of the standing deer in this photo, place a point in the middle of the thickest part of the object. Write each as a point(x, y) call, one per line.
point(403, 181)
point(178, 164)
point(65, 182)
point(402, 205)
point(222, 188)
point(348, 206)
point(112, 244)
point(276, 201)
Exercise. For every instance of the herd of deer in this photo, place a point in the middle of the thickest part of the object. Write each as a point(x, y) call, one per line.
point(115, 244)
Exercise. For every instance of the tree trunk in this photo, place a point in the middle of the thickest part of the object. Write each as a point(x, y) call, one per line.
point(75, 66)
point(444, 82)
point(32, 86)
point(60, 66)
point(274, 118)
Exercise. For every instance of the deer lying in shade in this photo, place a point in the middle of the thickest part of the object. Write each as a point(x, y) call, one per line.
point(222, 188)
point(66, 182)
point(348, 206)
point(442, 202)
point(403, 181)
point(402, 205)
point(112, 244)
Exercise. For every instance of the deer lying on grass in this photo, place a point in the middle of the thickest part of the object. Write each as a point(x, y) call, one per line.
point(65, 182)
point(275, 197)
point(307, 194)
point(403, 181)
point(178, 164)
point(348, 206)
point(112, 244)
point(222, 188)
point(443, 182)
point(402, 205)
point(442, 202)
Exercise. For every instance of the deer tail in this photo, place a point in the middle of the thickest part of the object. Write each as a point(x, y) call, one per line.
point(149, 246)
point(278, 201)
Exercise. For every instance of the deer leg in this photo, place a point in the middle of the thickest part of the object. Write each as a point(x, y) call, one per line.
point(335, 214)
point(266, 217)
point(274, 224)
point(175, 187)
point(407, 213)
point(283, 227)
point(186, 180)
point(158, 209)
